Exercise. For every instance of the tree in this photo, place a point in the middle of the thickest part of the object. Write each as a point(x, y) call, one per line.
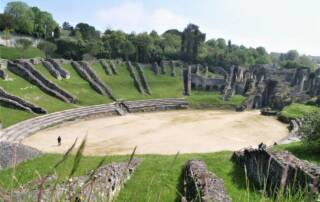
point(221, 43)
point(87, 31)
point(292, 55)
point(127, 48)
point(310, 129)
point(24, 43)
point(6, 35)
point(66, 26)
point(56, 32)
point(47, 47)
point(44, 24)
point(191, 41)
point(6, 21)
point(22, 15)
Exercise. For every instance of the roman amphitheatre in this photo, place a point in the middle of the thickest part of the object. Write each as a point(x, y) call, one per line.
point(91, 116)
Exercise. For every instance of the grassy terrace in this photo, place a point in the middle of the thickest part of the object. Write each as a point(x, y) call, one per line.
point(152, 182)
point(162, 86)
point(297, 110)
point(15, 53)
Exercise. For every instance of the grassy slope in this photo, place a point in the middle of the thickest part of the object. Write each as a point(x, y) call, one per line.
point(121, 84)
point(297, 110)
point(214, 99)
point(76, 86)
point(16, 53)
point(22, 88)
point(157, 179)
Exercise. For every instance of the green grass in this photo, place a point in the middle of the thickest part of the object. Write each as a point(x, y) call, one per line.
point(16, 53)
point(200, 99)
point(158, 178)
point(297, 110)
point(76, 86)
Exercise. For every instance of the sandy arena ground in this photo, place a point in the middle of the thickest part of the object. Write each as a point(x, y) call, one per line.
point(186, 131)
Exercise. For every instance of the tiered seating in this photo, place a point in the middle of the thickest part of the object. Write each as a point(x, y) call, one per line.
point(156, 104)
point(23, 129)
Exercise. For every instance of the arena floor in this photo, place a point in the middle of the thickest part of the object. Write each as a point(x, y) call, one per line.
point(184, 131)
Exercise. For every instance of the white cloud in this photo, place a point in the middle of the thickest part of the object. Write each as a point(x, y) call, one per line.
point(130, 16)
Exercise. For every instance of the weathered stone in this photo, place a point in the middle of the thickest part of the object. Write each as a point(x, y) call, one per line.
point(3, 74)
point(102, 184)
point(162, 67)
point(173, 69)
point(113, 67)
point(134, 77)
point(276, 170)
point(199, 82)
point(143, 79)
point(12, 154)
point(106, 67)
point(202, 185)
point(55, 73)
point(59, 68)
point(87, 73)
point(6, 98)
point(187, 80)
point(155, 68)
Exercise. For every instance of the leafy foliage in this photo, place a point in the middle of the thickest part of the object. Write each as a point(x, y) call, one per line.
point(310, 129)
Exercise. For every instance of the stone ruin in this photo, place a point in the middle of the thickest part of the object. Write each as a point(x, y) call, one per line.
point(143, 78)
point(14, 101)
point(162, 67)
point(202, 185)
point(278, 171)
point(102, 184)
point(106, 67)
point(155, 68)
point(114, 67)
point(27, 71)
point(173, 68)
point(187, 80)
point(87, 73)
point(51, 69)
point(13, 153)
point(134, 77)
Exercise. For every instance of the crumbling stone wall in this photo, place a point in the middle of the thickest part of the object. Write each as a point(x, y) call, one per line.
point(86, 72)
point(278, 170)
point(202, 185)
point(56, 64)
point(136, 82)
point(155, 68)
point(13, 154)
point(106, 67)
point(6, 98)
point(199, 82)
point(26, 70)
point(55, 73)
point(102, 184)
point(114, 67)
point(162, 67)
point(187, 80)
point(143, 79)
point(3, 74)
point(155, 105)
point(173, 68)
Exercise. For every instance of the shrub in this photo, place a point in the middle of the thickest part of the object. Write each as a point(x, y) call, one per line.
point(310, 129)
point(24, 43)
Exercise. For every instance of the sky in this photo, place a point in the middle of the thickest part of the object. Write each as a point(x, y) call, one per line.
point(278, 25)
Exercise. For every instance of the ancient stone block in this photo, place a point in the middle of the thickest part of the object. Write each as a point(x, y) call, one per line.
point(187, 80)
point(155, 68)
point(143, 79)
point(136, 82)
point(106, 67)
point(113, 68)
point(278, 170)
point(3, 74)
point(202, 185)
point(55, 73)
point(59, 68)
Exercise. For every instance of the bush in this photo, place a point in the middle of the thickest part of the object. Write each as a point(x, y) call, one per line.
point(310, 129)
point(24, 43)
point(47, 47)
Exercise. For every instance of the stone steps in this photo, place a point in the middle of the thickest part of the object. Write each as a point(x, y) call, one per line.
point(156, 104)
point(21, 130)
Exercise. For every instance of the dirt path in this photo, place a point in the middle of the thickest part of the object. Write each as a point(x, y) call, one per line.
point(187, 131)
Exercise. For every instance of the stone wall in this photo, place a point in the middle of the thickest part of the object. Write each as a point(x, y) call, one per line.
point(278, 170)
point(202, 185)
point(6, 98)
point(155, 105)
point(106, 67)
point(102, 184)
point(56, 64)
point(3, 74)
point(13, 154)
point(87, 73)
point(113, 68)
point(201, 83)
point(155, 68)
point(26, 71)
point(143, 79)
point(134, 77)
point(187, 80)
point(51, 69)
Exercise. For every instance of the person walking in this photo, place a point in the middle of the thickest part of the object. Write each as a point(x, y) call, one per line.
point(59, 141)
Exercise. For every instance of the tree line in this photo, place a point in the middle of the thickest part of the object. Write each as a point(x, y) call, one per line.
point(83, 41)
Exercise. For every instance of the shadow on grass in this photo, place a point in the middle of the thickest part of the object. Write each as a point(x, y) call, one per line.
point(179, 186)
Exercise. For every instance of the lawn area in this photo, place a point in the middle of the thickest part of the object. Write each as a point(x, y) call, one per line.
point(297, 110)
point(199, 99)
point(158, 178)
point(16, 53)
point(121, 85)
